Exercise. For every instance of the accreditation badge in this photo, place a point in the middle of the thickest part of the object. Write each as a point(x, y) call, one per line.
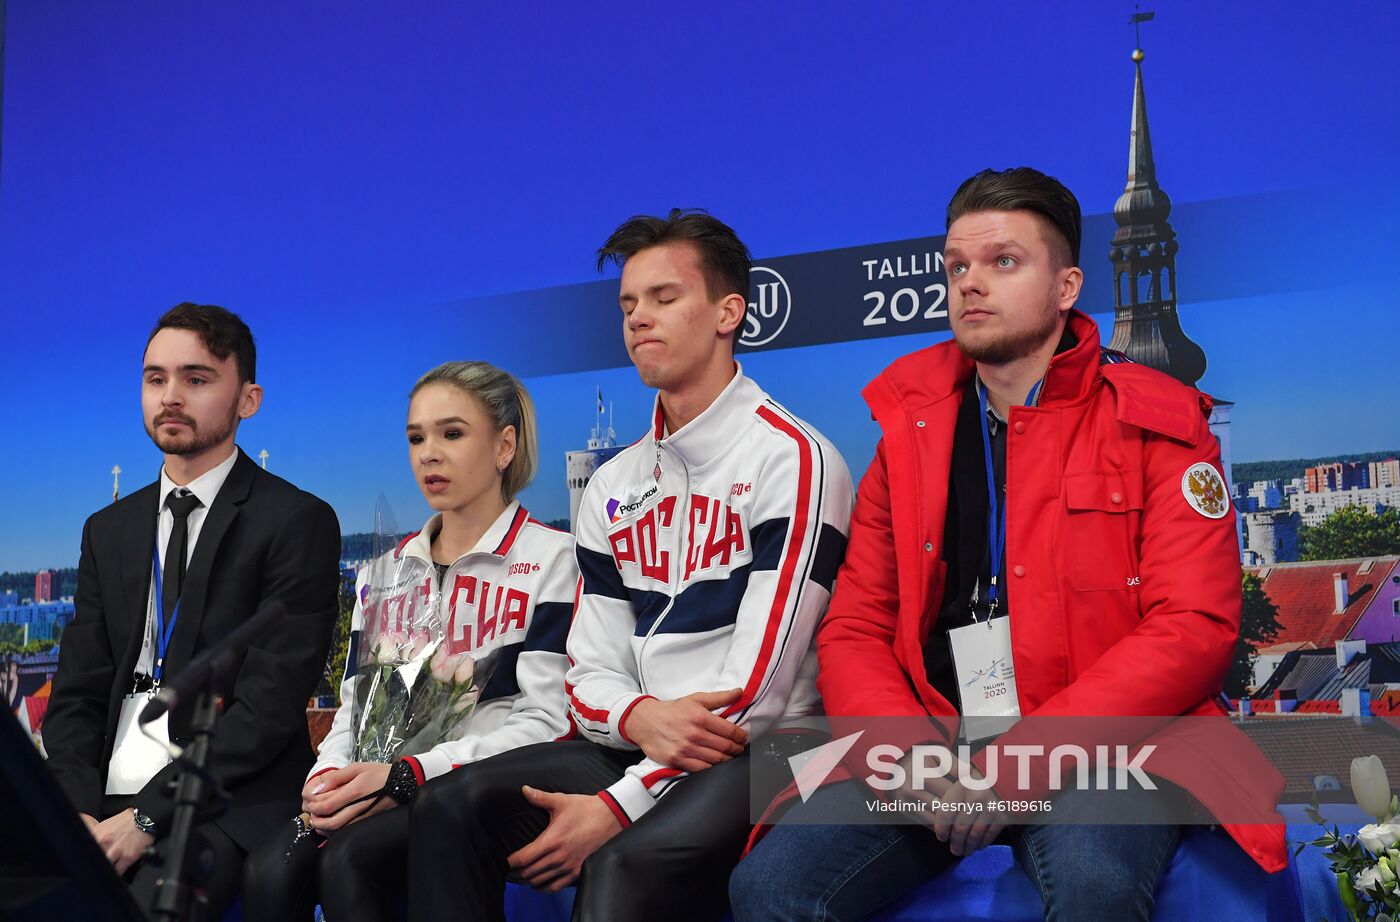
point(136, 757)
point(986, 677)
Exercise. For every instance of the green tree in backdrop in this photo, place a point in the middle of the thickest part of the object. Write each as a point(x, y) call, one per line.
point(1258, 627)
point(29, 649)
point(340, 644)
point(1352, 531)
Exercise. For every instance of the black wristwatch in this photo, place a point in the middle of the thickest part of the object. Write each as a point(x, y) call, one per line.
point(144, 822)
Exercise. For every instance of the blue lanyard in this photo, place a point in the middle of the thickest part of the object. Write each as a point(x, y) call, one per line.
point(163, 631)
point(996, 511)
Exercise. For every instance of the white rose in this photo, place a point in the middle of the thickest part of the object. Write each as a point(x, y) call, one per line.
point(1370, 786)
point(422, 641)
point(464, 672)
point(1369, 880)
point(442, 665)
point(1378, 838)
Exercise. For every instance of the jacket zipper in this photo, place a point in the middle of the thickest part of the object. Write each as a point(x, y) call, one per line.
point(671, 585)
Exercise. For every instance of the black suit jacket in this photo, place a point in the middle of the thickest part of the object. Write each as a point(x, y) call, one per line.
point(262, 540)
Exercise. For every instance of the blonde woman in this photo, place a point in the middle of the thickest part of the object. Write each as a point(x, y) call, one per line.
point(474, 609)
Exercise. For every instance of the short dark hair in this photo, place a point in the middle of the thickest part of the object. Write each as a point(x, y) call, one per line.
point(1024, 189)
point(724, 259)
point(221, 330)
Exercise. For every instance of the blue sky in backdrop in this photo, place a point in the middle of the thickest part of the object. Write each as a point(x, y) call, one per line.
point(354, 182)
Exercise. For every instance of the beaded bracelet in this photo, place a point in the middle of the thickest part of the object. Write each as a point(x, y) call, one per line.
point(402, 783)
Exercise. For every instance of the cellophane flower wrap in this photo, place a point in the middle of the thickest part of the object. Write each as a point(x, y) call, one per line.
point(416, 687)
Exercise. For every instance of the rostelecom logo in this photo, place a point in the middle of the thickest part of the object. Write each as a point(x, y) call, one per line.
point(770, 306)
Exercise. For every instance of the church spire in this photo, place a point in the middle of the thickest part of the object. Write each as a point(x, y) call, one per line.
point(1146, 326)
point(1143, 202)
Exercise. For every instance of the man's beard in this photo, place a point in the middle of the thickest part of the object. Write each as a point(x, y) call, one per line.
point(192, 442)
point(1012, 346)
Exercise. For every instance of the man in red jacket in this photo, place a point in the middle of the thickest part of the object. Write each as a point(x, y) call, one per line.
point(1038, 503)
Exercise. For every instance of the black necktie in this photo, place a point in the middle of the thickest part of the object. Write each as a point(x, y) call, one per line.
point(173, 579)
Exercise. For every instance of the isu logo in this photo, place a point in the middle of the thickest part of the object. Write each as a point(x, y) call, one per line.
point(769, 310)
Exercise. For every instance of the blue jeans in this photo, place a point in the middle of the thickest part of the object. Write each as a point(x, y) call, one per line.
point(814, 873)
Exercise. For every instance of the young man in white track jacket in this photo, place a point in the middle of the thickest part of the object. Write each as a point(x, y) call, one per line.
point(707, 551)
point(706, 578)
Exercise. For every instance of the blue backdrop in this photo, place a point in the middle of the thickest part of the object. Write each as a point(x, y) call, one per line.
point(379, 192)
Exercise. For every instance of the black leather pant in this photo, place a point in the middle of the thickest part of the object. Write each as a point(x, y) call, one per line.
point(673, 864)
point(357, 874)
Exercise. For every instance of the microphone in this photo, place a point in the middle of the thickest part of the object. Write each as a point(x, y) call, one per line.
point(214, 664)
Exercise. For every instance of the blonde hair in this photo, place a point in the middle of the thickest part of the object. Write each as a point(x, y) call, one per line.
point(507, 403)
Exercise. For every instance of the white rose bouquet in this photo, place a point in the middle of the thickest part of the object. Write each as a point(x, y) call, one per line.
point(384, 713)
point(444, 696)
point(416, 688)
point(1366, 863)
point(400, 630)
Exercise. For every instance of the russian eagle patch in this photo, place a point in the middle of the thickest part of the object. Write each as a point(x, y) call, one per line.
point(1205, 491)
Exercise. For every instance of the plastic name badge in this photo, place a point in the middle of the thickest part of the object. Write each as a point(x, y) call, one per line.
point(986, 677)
point(136, 757)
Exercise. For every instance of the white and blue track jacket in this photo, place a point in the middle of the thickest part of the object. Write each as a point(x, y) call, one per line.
point(509, 599)
point(706, 560)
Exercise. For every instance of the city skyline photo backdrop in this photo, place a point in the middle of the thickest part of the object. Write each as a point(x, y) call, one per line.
point(376, 195)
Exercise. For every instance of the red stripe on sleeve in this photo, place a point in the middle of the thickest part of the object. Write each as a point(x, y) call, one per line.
point(796, 539)
point(578, 596)
point(584, 711)
point(622, 721)
point(613, 805)
point(661, 774)
point(417, 768)
point(572, 732)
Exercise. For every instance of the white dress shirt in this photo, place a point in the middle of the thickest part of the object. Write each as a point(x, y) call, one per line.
point(206, 486)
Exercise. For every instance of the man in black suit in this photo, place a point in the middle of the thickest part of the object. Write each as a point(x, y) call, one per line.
point(165, 574)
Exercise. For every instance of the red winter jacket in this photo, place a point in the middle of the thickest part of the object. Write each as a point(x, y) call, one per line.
point(1124, 599)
